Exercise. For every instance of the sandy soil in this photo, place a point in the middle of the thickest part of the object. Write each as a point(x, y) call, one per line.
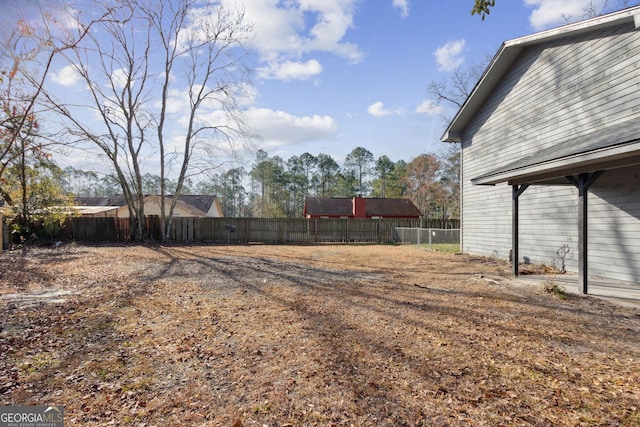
point(307, 336)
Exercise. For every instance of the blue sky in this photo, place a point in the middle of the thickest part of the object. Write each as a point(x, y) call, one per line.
point(372, 95)
point(332, 75)
point(368, 86)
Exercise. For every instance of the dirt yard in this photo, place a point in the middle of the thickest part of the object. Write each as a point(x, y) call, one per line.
point(307, 336)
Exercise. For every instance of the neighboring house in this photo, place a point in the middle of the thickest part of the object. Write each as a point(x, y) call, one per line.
point(357, 207)
point(554, 122)
point(116, 206)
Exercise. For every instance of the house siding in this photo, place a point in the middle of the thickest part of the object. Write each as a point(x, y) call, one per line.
point(614, 225)
point(554, 92)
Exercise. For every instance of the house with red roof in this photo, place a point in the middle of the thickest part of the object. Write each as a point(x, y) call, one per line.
point(359, 207)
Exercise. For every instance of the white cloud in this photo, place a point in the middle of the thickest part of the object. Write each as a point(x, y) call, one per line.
point(54, 17)
point(178, 102)
point(287, 30)
point(403, 5)
point(549, 13)
point(278, 128)
point(67, 76)
point(429, 108)
point(449, 57)
point(66, 17)
point(289, 70)
point(377, 110)
point(246, 95)
point(333, 19)
point(119, 78)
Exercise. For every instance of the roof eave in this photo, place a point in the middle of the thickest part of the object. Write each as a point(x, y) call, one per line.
point(489, 79)
point(603, 159)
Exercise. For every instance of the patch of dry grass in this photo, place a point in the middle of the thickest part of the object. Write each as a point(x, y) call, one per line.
point(309, 335)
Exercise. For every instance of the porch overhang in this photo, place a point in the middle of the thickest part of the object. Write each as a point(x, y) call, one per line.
point(579, 162)
point(610, 148)
point(553, 172)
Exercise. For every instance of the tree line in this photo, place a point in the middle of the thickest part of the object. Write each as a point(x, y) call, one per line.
point(277, 187)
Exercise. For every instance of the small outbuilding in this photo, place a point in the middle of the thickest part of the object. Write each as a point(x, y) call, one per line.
point(359, 207)
point(550, 140)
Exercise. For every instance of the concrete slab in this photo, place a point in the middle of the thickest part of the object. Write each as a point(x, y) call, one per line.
point(32, 298)
point(617, 291)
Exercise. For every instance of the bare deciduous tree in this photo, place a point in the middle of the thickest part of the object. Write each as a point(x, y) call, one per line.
point(22, 45)
point(29, 179)
point(164, 79)
point(456, 88)
point(598, 7)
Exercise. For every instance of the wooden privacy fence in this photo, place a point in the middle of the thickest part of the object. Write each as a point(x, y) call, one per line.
point(106, 229)
point(245, 230)
point(444, 224)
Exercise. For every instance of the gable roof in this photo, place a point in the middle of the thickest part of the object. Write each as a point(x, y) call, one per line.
point(613, 146)
point(202, 202)
point(198, 205)
point(375, 207)
point(91, 201)
point(114, 201)
point(511, 49)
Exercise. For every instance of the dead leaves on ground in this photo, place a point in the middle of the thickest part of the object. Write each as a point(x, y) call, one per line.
point(362, 335)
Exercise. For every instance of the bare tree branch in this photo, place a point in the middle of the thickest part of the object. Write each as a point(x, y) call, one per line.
point(153, 56)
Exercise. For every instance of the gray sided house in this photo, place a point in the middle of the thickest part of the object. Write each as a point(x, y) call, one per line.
point(550, 141)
